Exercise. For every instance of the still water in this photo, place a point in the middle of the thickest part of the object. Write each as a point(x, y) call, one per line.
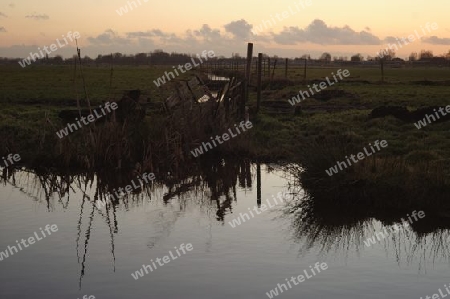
point(95, 250)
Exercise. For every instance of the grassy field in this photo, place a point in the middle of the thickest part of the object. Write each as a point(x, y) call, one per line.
point(350, 113)
point(55, 85)
point(28, 94)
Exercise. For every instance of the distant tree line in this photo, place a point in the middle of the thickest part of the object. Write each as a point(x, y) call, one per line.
point(159, 57)
point(424, 55)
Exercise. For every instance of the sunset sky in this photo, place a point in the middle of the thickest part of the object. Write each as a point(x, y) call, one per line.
point(342, 28)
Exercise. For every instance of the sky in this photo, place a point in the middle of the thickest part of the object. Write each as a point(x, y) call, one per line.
point(287, 28)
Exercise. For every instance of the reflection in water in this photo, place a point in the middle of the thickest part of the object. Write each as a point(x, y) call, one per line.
point(212, 187)
point(217, 78)
point(330, 227)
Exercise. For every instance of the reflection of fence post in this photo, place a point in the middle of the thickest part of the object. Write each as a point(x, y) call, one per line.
point(247, 78)
point(258, 97)
point(258, 184)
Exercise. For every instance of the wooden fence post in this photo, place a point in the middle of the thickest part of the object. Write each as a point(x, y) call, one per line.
point(273, 71)
point(264, 67)
point(286, 69)
point(304, 72)
point(247, 78)
point(258, 97)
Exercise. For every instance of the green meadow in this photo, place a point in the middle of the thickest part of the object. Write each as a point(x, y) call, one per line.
point(30, 94)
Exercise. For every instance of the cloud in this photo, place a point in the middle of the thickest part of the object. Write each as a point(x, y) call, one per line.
point(239, 29)
point(145, 43)
point(109, 37)
point(191, 41)
point(207, 33)
point(38, 17)
point(390, 39)
point(2, 29)
point(320, 33)
point(3, 15)
point(204, 35)
point(148, 33)
point(434, 40)
point(230, 38)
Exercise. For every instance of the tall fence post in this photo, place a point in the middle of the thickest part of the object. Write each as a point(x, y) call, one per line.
point(258, 97)
point(304, 72)
point(247, 77)
point(264, 67)
point(286, 69)
point(273, 70)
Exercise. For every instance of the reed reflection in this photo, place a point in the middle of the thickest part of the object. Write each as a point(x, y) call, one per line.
point(211, 187)
point(334, 228)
